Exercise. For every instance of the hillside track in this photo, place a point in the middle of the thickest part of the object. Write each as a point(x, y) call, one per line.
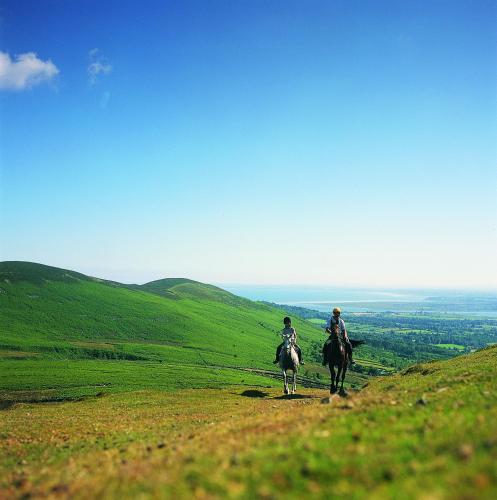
point(303, 381)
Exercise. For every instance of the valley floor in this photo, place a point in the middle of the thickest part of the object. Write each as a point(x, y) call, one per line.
point(428, 432)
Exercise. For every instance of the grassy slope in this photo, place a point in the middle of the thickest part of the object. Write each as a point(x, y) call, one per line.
point(428, 432)
point(64, 334)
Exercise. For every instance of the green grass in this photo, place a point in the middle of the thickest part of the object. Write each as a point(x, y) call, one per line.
point(54, 380)
point(317, 321)
point(451, 346)
point(427, 432)
point(372, 364)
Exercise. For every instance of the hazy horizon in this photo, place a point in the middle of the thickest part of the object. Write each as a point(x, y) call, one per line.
point(267, 286)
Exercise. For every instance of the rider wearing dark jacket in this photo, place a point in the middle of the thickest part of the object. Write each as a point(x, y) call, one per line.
point(287, 331)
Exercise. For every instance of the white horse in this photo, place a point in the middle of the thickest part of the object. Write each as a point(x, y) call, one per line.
point(289, 360)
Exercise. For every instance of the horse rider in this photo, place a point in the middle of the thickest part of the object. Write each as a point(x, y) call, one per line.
point(334, 322)
point(289, 331)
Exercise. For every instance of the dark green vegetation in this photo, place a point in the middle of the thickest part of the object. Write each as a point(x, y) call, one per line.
point(64, 335)
point(396, 340)
point(427, 432)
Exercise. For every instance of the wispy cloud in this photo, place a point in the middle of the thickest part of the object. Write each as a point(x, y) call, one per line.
point(25, 71)
point(98, 66)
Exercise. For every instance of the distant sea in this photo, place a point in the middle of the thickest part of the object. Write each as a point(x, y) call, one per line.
point(322, 298)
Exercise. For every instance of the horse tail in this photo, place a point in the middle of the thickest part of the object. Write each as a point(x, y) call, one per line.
point(356, 343)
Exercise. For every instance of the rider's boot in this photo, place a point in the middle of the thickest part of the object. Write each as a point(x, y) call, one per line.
point(299, 353)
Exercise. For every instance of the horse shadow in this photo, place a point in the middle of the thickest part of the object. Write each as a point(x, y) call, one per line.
point(252, 393)
point(295, 396)
point(6, 404)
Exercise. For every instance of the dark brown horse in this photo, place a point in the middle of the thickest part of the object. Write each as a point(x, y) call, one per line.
point(338, 357)
point(335, 352)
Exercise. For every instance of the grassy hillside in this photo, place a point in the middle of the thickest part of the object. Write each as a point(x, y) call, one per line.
point(64, 334)
point(428, 432)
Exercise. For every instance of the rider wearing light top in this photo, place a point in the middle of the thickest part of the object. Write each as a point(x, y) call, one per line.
point(334, 321)
point(289, 331)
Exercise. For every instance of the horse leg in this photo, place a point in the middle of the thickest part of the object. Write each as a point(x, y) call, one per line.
point(285, 382)
point(294, 384)
point(333, 388)
point(343, 392)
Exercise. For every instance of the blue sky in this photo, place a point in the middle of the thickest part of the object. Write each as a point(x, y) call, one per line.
point(334, 142)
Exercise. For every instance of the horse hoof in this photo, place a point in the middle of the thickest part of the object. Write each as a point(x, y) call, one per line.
point(343, 393)
point(333, 390)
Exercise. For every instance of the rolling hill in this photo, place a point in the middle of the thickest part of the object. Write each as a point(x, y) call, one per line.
point(64, 334)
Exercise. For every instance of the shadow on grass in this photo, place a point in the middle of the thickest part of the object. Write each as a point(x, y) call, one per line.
point(34, 398)
point(6, 404)
point(251, 393)
point(295, 396)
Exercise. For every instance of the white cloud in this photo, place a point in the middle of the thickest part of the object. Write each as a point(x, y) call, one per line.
point(98, 65)
point(25, 71)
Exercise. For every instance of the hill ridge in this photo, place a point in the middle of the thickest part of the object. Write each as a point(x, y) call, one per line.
point(35, 272)
point(38, 273)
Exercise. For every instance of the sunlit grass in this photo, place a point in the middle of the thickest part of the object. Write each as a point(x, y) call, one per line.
point(426, 432)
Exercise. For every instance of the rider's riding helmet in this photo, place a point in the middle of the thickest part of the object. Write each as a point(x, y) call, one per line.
point(286, 320)
point(336, 310)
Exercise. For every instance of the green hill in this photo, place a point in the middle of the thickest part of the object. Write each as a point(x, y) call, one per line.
point(182, 287)
point(64, 334)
